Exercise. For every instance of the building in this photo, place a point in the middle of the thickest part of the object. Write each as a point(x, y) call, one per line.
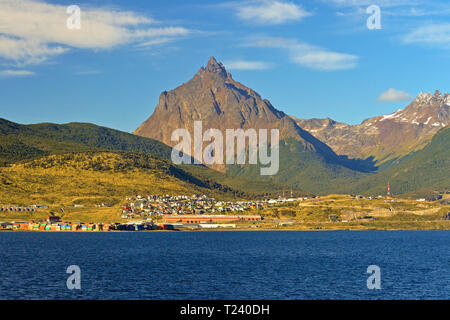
point(17, 209)
point(169, 218)
point(53, 219)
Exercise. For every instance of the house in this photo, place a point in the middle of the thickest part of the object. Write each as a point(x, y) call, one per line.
point(53, 219)
point(6, 226)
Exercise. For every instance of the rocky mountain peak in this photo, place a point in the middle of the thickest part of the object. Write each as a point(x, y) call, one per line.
point(213, 65)
point(222, 103)
point(427, 109)
point(214, 68)
point(425, 98)
point(215, 98)
point(387, 136)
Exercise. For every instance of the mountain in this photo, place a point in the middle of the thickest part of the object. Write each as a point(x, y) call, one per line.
point(428, 168)
point(385, 138)
point(411, 146)
point(220, 102)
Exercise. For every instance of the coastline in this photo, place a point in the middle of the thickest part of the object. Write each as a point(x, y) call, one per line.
point(240, 229)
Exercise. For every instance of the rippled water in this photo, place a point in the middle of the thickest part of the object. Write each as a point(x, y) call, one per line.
point(226, 265)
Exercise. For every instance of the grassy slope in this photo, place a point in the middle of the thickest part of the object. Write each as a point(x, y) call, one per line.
point(248, 185)
point(304, 170)
point(427, 168)
point(97, 177)
point(25, 142)
point(315, 214)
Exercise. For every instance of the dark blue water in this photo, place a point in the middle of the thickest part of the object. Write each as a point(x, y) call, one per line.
point(226, 265)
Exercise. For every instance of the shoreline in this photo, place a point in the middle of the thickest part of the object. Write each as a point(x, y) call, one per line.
point(229, 230)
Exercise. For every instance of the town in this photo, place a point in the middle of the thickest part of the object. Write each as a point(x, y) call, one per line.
point(195, 212)
point(153, 205)
point(157, 212)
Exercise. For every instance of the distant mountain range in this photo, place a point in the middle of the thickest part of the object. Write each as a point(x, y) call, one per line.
point(428, 168)
point(317, 155)
point(220, 102)
point(388, 138)
point(408, 148)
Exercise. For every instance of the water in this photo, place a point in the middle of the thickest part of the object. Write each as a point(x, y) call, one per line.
point(226, 265)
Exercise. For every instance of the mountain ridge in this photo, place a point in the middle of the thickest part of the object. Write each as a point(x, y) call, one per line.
point(215, 98)
point(307, 157)
point(427, 168)
point(386, 138)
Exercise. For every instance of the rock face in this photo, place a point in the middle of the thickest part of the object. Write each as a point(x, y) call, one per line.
point(220, 102)
point(305, 159)
point(386, 137)
point(213, 97)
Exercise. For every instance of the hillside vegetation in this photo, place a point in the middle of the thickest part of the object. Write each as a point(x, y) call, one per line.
point(343, 212)
point(19, 142)
point(50, 146)
point(303, 170)
point(98, 177)
point(427, 168)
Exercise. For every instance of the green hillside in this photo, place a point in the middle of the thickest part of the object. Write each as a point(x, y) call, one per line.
point(18, 142)
point(27, 142)
point(304, 170)
point(254, 187)
point(300, 169)
point(94, 177)
point(428, 168)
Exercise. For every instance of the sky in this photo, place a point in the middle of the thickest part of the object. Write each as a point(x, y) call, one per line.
point(310, 59)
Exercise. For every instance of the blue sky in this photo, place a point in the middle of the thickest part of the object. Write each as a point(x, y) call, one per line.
point(314, 58)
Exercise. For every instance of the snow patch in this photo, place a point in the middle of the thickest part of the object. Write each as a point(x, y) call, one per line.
point(391, 115)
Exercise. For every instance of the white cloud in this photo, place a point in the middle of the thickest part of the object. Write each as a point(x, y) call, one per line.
point(433, 34)
point(33, 31)
point(247, 65)
point(270, 11)
point(383, 3)
point(27, 51)
point(395, 8)
point(326, 60)
point(308, 55)
point(154, 42)
point(393, 95)
point(161, 32)
point(15, 73)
